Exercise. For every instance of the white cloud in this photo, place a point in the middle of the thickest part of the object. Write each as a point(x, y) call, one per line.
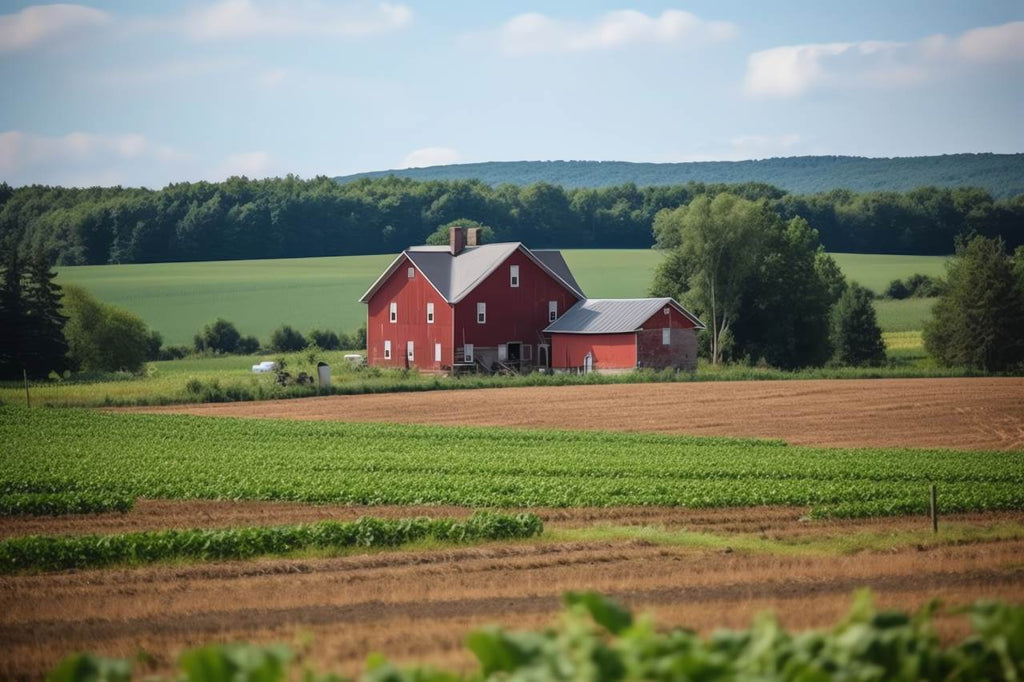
point(430, 156)
point(240, 18)
point(534, 32)
point(250, 164)
point(271, 78)
point(84, 158)
point(792, 70)
point(42, 23)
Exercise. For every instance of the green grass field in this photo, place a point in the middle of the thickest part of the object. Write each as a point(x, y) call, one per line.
point(177, 299)
point(173, 456)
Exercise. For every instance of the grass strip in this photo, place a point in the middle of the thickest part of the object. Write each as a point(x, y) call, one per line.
point(54, 553)
point(60, 504)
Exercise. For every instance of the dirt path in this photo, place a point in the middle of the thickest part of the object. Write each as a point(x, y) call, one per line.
point(979, 414)
point(771, 522)
point(419, 605)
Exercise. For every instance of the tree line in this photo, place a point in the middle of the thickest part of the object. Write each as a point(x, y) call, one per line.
point(290, 217)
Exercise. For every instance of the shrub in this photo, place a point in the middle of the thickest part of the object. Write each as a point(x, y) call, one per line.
point(897, 290)
point(858, 336)
point(326, 340)
point(286, 339)
point(102, 338)
point(219, 337)
point(173, 352)
point(247, 345)
point(156, 340)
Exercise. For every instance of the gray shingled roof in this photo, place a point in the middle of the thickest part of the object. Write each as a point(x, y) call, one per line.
point(613, 315)
point(455, 276)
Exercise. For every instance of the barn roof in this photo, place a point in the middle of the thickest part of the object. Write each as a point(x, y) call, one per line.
point(614, 315)
point(455, 276)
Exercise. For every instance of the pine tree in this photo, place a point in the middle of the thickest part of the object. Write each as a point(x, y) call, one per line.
point(12, 317)
point(858, 336)
point(45, 349)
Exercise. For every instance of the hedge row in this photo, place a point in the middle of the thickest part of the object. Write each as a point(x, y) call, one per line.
point(45, 553)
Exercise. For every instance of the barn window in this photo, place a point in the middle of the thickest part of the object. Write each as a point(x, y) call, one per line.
point(552, 311)
point(666, 336)
point(408, 350)
point(514, 276)
point(481, 313)
point(387, 350)
point(430, 313)
point(437, 352)
point(412, 272)
point(467, 352)
point(394, 312)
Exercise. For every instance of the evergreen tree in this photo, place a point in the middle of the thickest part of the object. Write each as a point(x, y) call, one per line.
point(45, 348)
point(12, 316)
point(858, 336)
point(979, 321)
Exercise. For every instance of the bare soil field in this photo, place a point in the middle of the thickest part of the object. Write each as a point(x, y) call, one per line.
point(419, 604)
point(963, 413)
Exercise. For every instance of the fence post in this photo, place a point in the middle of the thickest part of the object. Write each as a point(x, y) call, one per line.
point(934, 509)
point(28, 399)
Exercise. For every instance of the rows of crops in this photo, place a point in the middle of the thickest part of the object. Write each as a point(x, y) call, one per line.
point(87, 551)
point(59, 451)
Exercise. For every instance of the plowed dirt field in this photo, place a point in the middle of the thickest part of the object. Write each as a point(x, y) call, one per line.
point(418, 605)
point(972, 413)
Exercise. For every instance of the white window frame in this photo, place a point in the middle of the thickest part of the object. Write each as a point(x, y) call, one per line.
point(393, 316)
point(430, 313)
point(481, 313)
point(437, 352)
point(410, 350)
point(412, 273)
point(552, 311)
point(387, 350)
point(502, 352)
point(666, 336)
point(467, 352)
point(513, 276)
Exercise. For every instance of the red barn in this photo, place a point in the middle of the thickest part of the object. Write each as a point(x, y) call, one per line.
point(489, 306)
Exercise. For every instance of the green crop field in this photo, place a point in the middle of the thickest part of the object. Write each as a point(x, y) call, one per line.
point(169, 456)
point(177, 299)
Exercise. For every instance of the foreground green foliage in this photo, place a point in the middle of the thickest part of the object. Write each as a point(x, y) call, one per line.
point(45, 553)
point(194, 457)
point(598, 640)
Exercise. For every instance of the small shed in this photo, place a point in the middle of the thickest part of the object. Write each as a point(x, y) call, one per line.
point(621, 334)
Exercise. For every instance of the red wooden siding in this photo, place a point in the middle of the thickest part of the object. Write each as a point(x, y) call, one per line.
point(674, 320)
point(513, 314)
point(412, 296)
point(610, 351)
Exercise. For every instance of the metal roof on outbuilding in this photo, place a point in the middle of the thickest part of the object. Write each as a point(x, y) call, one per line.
point(613, 315)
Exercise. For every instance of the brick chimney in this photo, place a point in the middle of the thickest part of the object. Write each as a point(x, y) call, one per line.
point(457, 239)
point(473, 236)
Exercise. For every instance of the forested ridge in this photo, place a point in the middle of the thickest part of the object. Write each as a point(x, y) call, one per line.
point(290, 217)
point(1000, 174)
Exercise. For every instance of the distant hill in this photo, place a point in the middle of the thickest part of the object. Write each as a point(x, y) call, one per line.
point(1000, 174)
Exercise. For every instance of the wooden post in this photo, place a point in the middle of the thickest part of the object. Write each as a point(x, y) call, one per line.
point(28, 400)
point(934, 509)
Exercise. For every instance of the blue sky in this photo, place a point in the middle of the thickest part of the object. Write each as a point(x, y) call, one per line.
point(148, 93)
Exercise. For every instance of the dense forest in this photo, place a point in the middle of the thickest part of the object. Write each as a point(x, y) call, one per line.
point(290, 217)
point(1000, 174)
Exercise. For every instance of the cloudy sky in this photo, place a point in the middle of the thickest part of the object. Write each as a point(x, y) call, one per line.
point(146, 93)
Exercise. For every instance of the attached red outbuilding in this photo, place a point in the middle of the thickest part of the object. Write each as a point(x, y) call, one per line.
point(614, 335)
